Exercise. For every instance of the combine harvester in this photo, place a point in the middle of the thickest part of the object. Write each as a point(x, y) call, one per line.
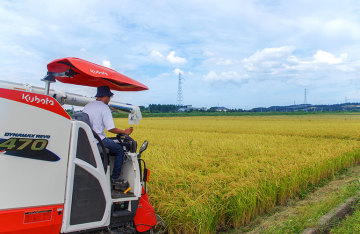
point(54, 177)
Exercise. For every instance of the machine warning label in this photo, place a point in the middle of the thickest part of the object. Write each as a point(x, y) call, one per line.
point(38, 216)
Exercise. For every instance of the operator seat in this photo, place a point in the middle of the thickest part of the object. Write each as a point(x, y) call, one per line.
point(82, 116)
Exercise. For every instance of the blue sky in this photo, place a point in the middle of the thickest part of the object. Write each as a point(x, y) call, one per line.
point(237, 54)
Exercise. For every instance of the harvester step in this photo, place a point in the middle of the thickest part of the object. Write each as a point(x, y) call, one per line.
point(120, 213)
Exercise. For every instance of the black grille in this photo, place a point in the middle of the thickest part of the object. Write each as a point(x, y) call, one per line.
point(88, 201)
point(84, 151)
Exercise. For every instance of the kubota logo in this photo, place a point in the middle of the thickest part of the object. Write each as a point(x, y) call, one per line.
point(97, 72)
point(31, 98)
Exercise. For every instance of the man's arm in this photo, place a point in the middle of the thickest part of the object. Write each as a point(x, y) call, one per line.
point(119, 131)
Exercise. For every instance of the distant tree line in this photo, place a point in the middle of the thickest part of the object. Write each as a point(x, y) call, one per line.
point(354, 106)
point(171, 108)
point(159, 108)
point(214, 109)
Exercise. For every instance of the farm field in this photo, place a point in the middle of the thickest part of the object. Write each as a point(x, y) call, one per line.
point(211, 172)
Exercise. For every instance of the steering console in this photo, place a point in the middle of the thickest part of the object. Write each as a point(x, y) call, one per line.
point(129, 143)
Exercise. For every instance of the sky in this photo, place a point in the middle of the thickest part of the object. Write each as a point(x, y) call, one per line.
point(231, 53)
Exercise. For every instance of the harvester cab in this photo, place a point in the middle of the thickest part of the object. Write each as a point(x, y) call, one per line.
point(54, 176)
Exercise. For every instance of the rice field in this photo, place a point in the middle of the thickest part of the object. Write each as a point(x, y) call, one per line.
point(212, 172)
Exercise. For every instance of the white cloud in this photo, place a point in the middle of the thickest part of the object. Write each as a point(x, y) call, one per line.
point(330, 28)
point(177, 71)
point(343, 26)
point(164, 74)
point(270, 59)
point(225, 77)
point(326, 57)
point(271, 53)
point(279, 62)
point(208, 53)
point(345, 68)
point(106, 63)
point(156, 55)
point(222, 61)
point(175, 59)
point(190, 73)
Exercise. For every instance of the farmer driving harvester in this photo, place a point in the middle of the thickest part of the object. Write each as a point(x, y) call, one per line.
point(101, 118)
point(72, 184)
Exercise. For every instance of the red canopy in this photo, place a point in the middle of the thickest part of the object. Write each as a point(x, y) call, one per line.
point(94, 75)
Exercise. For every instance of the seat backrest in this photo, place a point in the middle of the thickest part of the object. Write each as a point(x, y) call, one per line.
point(82, 116)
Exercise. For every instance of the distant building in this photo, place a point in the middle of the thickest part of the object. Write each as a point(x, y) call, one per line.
point(222, 109)
point(190, 107)
point(199, 108)
point(183, 109)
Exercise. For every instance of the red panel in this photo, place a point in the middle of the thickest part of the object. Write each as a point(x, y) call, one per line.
point(45, 219)
point(38, 216)
point(144, 194)
point(38, 100)
point(94, 75)
point(145, 217)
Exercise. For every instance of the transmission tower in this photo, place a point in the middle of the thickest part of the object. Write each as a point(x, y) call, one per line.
point(305, 96)
point(345, 104)
point(179, 101)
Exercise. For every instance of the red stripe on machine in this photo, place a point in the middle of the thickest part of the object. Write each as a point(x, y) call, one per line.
point(38, 100)
point(45, 219)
